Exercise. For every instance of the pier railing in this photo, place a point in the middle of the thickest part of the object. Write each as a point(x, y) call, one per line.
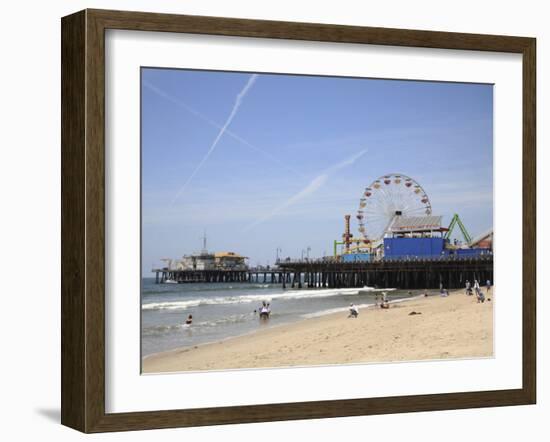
point(408, 258)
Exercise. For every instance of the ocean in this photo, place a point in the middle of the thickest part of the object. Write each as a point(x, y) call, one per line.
point(224, 310)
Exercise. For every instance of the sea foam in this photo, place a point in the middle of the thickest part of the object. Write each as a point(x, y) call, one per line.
point(242, 299)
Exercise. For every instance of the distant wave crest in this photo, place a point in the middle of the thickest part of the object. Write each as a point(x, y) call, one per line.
point(246, 299)
point(164, 289)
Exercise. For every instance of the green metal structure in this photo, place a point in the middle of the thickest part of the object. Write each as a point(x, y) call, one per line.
point(336, 244)
point(456, 220)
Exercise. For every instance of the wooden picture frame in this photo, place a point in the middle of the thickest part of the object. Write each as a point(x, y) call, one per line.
point(83, 220)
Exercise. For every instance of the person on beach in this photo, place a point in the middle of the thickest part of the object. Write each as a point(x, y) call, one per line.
point(476, 285)
point(488, 285)
point(480, 296)
point(189, 320)
point(384, 303)
point(265, 311)
point(353, 311)
point(468, 288)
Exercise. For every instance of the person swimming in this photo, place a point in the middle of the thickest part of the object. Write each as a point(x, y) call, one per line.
point(189, 320)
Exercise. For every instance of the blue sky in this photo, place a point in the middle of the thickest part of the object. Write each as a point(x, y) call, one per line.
point(276, 161)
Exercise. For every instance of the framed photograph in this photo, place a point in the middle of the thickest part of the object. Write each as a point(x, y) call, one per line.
point(268, 221)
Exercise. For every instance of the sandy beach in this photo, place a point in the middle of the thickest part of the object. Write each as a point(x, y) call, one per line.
point(442, 328)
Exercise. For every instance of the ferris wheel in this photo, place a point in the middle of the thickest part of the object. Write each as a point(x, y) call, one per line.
point(387, 197)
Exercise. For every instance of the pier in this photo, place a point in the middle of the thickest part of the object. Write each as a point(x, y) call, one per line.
point(449, 272)
point(256, 275)
point(197, 276)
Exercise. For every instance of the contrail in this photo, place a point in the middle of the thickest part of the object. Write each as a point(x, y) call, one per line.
point(212, 123)
point(315, 184)
point(238, 102)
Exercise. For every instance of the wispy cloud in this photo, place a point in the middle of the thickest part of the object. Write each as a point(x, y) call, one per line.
point(314, 185)
point(234, 110)
point(180, 103)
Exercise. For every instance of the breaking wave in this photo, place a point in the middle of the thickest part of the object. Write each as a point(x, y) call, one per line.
point(244, 299)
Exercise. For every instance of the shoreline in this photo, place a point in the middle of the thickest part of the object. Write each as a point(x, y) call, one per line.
point(437, 331)
point(308, 316)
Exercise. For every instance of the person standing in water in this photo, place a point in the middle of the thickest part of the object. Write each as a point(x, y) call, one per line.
point(265, 311)
point(189, 320)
